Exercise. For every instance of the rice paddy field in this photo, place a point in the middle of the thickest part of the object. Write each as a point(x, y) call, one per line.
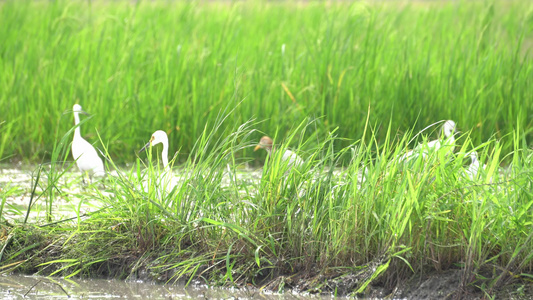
point(350, 87)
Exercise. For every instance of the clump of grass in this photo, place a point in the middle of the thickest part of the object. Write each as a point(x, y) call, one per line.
point(375, 218)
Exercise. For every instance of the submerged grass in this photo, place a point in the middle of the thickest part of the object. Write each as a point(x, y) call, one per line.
point(171, 65)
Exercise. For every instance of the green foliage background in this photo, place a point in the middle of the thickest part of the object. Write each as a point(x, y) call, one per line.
point(140, 66)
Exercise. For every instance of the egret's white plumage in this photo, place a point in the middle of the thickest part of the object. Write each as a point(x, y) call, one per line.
point(166, 178)
point(288, 156)
point(446, 141)
point(473, 169)
point(84, 153)
point(159, 137)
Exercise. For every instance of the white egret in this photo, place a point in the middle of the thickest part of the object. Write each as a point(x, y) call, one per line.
point(159, 137)
point(84, 153)
point(446, 140)
point(473, 169)
point(291, 158)
point(166, 179)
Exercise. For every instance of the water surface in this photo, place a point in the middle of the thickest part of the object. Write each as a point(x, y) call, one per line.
point(37, 287)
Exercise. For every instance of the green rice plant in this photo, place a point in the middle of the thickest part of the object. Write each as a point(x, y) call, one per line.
point(7, 190)
point(6, 137)
point(174, 66)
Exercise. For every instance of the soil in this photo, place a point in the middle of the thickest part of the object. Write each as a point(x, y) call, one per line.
point(435, 285)
point(443, 285)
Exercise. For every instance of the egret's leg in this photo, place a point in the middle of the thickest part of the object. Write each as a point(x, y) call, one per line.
point(86, 174)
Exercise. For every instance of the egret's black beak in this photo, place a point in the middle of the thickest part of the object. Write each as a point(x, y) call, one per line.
point(84, 112)
point(145, 146)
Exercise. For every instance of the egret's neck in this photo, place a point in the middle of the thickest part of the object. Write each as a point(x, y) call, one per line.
point(269, 150)
point(77, 132)
point(164, 154)
point(448, 137)
point(451, 139)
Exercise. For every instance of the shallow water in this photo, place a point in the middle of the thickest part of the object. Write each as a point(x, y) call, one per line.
point(24, 185)
point(36, 287)
point(21, 186)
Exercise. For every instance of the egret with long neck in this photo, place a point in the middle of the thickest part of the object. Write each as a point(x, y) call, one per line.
point(446, 139)
point(84, 153)
point(159, 137)
point(166, 180)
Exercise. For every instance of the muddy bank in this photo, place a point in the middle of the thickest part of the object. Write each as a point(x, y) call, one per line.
point(437, 285)
point(41, 253)
point(303, 280)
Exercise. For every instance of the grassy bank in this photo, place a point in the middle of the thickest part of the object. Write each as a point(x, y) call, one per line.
point(142, 66)
point(376, 221)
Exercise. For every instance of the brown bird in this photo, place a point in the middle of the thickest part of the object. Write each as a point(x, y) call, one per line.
point(290, 157)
